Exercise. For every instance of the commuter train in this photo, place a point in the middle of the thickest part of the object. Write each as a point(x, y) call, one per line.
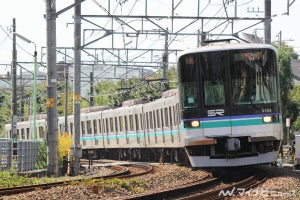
point(225, 112)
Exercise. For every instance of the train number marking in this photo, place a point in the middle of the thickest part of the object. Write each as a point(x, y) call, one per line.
point(212, 113)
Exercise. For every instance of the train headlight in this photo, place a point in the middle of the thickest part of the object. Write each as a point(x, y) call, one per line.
point(267, 119)
point(195, 123)
point(192, 124)
point(270, 118)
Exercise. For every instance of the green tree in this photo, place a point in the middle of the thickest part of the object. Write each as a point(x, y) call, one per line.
point(41, 95)
point(104, 91)
point(294, 97)
point(289, 106)
point(42, 156)
point(5, 111)
point(113, 93)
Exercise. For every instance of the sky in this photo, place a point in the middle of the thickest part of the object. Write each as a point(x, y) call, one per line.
point(31, 24)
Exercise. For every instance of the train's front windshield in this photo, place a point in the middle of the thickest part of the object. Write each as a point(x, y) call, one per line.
point(253, 77)
point(243, 77)
point(189, 79)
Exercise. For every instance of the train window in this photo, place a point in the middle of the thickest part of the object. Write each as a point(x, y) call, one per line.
point(147, 121)
point(158, 119)
point(189, 91)
point(111, 124)
point(131, 125)
point(154, 120)
point(82, 128)
point(151, 120)
point(171, 117)
point(88, 127)
point(166, 118)
point(189, 95)
point(27, 133)
point(147, 125)
point(23, 133)
point(116, 124)
point(95, 126)
point(136, 117)
point(214, 93)
point(162, 117)
point(213, 78)
point(253, 75)
point(176, 111)
point(137, 125)
point(141, 122)
point(121, 123)
point(126, 123)
point(106, 126)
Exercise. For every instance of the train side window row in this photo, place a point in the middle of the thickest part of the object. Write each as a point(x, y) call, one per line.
point(160, 118)
point(25, 133)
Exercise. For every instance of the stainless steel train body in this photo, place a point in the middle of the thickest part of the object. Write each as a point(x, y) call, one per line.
point(230, 105)
point(150, 127)
point(207, 119)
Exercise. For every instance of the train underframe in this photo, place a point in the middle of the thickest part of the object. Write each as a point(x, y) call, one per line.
point(239, 151)
point(161, 155)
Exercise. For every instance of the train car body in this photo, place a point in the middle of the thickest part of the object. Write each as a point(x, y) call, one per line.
point(226, 112)
point(230, 105)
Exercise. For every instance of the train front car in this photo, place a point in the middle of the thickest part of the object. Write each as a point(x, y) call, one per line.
point(230, 105)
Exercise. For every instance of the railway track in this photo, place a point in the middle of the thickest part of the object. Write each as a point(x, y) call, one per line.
point(228, 191)
point(119, 171)
point(207, 188)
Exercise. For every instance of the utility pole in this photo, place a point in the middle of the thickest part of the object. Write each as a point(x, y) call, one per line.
point(76, 148)
point(51, 101)
point(267, 22)
point(66, 100)
point(165, 59)
point(91, 104)
point(34, 94)
point(14, 116)
point(21, 96)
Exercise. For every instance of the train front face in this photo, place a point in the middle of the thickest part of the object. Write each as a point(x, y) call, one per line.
point(230, 105)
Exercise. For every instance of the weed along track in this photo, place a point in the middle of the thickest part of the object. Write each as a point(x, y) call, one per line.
point(115, 171)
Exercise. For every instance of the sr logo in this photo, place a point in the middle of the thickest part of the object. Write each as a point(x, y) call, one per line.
point(212, 113)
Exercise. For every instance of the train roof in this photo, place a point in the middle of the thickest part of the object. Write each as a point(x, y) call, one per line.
point(231, 46)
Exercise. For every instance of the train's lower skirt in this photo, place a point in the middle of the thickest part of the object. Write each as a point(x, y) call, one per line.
point(207, 161)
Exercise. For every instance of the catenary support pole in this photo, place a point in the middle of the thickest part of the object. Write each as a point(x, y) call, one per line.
point(76, 148)
point(34, 95)
point(14, 108)
point(51, 101)
point(268, 21)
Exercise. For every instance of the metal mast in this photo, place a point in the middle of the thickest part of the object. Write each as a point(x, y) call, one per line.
point(52, 124)
point(77, 71)
point(268, 21)
point(14, 116)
